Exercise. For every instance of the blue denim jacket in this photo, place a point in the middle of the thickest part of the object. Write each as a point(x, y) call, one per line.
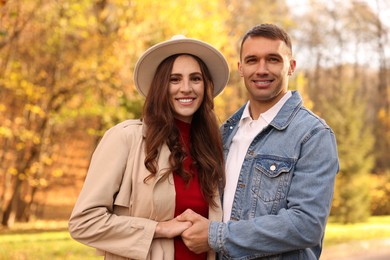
point(284, 191)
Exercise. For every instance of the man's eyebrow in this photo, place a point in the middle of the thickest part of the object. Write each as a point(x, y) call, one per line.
point(250, 56)
point(275, 55)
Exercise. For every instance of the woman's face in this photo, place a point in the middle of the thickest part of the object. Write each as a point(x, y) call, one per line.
point(186, 87)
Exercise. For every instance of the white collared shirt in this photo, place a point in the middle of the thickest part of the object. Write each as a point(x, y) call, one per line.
point(248, 129)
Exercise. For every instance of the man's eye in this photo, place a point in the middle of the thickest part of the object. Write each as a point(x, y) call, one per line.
point(250, 61)
point(273, 59)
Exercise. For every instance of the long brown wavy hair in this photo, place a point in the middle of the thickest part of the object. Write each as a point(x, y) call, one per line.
point(206, 145)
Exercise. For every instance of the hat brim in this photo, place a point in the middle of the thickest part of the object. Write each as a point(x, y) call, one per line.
point(149, 61)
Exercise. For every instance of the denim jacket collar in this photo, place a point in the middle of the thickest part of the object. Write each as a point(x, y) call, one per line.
point(288, 111)
point(282, 119)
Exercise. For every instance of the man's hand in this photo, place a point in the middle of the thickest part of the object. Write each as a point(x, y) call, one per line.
point(171, 228)
point(195, 237)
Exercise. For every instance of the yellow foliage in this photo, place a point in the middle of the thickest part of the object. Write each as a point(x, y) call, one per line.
point(22, 176)
point(43, 182)
point(380, 192)
point(39, 183)
point(301, 86)
point(47, 160)
point(6, 132)
point(57, 173)
point(35, 109)
point(34, 168)
point(384, 117)
point(13, 171)
point(20, 146)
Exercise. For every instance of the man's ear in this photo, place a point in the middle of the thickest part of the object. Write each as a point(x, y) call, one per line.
point(291, 69)
point(239, 68)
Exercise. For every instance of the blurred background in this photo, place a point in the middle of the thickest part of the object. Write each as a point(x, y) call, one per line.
point(66, 76)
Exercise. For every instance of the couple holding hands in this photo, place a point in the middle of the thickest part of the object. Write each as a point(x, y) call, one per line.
point(176, 185)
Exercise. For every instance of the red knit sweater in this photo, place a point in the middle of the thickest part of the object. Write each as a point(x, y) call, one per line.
point(188, 197)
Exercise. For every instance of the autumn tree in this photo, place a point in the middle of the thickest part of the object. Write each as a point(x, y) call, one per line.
point(382, 108)
point(53, 74)
point(66, 67)
point(336, 84)
point(355, 143)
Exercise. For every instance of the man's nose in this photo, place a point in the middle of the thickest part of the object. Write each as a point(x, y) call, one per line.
point(262, 68)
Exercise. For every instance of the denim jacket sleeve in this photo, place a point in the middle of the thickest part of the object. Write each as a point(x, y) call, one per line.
point(299, 219)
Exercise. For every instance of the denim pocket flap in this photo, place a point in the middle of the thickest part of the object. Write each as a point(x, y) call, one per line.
point(273, 166)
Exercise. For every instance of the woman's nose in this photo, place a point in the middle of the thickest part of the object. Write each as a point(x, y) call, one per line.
point(186, 86)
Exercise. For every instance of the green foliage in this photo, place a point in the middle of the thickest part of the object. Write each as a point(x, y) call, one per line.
point(382, 145)
point(344, 113)
point(380, 194)
point(352, 199)
point(344, 110)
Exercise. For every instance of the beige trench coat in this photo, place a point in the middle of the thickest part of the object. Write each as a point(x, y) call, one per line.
point(117, 212)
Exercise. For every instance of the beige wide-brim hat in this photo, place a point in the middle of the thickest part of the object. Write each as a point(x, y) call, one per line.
point(147, 64)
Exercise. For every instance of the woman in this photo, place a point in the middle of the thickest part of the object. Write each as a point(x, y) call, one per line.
point(146, 172)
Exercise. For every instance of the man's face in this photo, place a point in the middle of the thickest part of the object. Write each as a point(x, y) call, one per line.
point(265, 66)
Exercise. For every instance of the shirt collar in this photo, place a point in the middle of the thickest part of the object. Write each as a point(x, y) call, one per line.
point(268, 115)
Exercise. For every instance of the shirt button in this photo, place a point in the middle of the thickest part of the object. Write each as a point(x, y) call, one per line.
point(231, 127)
point(273, 167)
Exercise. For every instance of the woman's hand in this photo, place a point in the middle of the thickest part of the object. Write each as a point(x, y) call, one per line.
point(171, 228)
point(195, 237)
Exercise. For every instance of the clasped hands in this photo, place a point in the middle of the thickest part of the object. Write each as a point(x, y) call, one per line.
point(192, 227)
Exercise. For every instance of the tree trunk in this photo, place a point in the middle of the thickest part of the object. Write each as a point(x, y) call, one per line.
point(9, 214)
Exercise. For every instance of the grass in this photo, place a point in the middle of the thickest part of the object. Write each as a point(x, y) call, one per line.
point(42, 240)
point(51, 240)
point(374, 228)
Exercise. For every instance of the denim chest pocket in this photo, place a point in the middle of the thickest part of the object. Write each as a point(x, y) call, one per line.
point(271, 177)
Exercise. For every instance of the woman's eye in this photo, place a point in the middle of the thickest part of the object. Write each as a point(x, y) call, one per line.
point(175, 80)
point(197, 79)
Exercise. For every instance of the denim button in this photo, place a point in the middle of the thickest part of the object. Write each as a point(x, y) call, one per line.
point(273, 167)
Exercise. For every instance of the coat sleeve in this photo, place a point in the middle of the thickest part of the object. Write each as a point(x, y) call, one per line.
point(92, 221)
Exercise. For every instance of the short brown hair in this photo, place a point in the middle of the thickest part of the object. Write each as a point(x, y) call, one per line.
point(270, 31)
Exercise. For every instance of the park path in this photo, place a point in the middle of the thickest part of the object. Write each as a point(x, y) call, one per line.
point(376, 249)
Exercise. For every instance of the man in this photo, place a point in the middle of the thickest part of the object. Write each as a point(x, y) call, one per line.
point(281, 164)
